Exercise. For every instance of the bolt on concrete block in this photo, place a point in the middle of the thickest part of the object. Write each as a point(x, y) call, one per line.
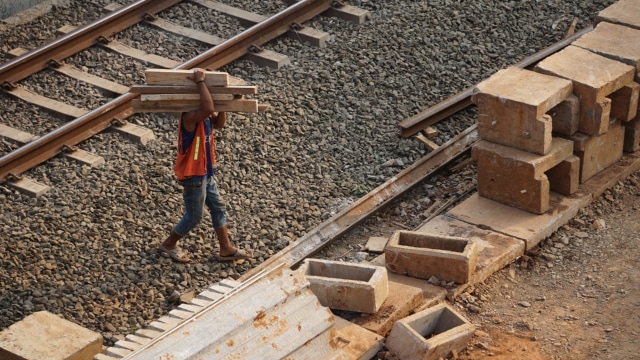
point(430, 334)
point(347, 286)
point(423, 255)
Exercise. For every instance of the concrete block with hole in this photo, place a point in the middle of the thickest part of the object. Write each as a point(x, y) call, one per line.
point(632, 135)
point(512, 106)
point(43, 335)
point(515, 177)
point(566, 115)
point(430, 334)
point(422, 256)
point(594, 78)
point(347, 286)
point(564, 178)
point(598, 152)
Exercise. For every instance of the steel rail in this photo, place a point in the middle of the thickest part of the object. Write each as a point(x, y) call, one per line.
point(462, 100)
point(79, 39)
point(97, 120)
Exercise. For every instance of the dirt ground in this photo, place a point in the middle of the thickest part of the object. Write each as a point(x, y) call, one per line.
point(575, 296)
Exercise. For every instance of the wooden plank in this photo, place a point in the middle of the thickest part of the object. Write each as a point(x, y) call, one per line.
point(430, 132)
point(242, 15)
point(29, 187)
point(136, 133)
point(245, 105)
point(183, 97)
point(314, 37)
point(140, 55)
point(192, 89)
point(47, 103)
point(94, 80)
point(127, 50)
point(426, 142)
point(85, 157)
point(73, 72)
point(16, 135)
point(180, 77)
point(186, 32)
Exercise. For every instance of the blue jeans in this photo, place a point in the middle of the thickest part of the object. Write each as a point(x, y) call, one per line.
point(198, 192)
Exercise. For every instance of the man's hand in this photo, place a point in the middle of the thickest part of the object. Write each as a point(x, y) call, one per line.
point(198, 75)
point(191, 118)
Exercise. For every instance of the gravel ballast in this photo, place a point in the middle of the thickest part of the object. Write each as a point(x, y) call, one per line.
point(86, 249)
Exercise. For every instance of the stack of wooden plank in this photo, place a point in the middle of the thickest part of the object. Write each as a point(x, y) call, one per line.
point(170, 90)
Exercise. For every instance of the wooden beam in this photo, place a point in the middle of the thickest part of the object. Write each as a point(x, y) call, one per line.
point(78, 74)
point(180, 77)
point(127, 50)
point(182, 97)
point(244, 105)
point(426, 142)
point(430, 132)
point(192, 89)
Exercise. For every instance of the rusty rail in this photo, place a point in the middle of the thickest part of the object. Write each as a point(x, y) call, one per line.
point(93, 122)
point(80, 39)
point(462, 100)
point(366, 206)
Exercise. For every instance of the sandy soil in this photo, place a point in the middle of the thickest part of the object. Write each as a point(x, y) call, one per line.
point(575, 296)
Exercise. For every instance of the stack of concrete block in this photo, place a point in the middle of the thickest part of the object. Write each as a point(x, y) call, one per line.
point(621, 42)
point(517, 150)
point(608, 96)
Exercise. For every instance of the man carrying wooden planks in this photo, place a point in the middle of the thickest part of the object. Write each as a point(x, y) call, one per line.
point(194, 169)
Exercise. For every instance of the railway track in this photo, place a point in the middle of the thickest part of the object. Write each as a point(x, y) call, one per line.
point(96, 262)
point(248, 43)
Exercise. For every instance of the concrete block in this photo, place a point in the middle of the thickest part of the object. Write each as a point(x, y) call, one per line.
point(564, 178)
point(430, 334)
point(624, 102)
point(376, 244)
point(624, 12)
point(515, 177)
point(495, 250)
point(632, 135)
point(617, 42)
point(512, 106)
point(598, 152)
point(566, 115)
point(43, 335)
point(423, 256)
point(403, 299)
point(594, 78)
point(347, 286)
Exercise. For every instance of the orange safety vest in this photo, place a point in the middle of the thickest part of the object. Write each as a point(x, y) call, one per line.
point(193, 160)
